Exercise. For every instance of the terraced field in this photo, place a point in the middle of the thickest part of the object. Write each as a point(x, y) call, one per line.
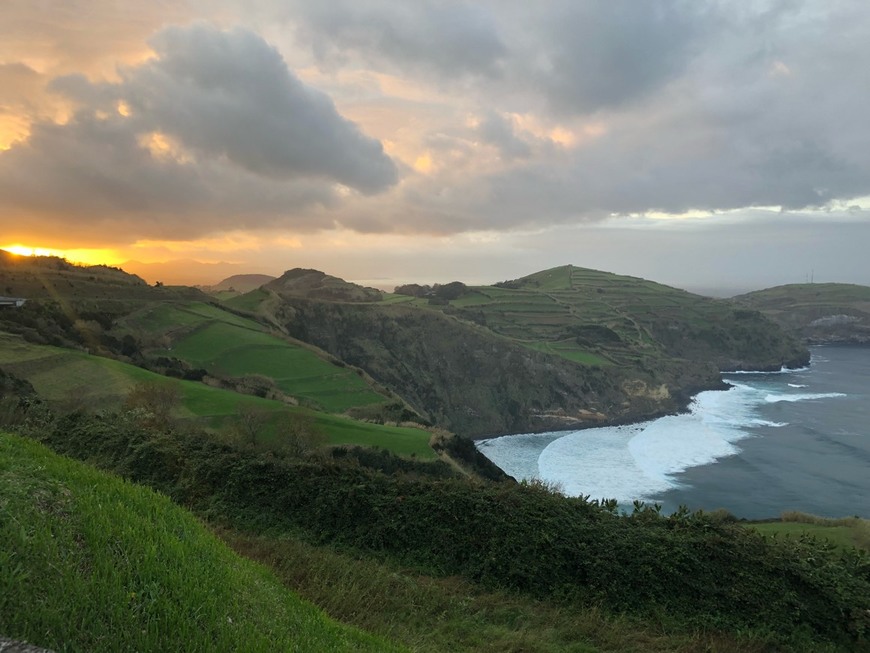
point(71, 379)
point(596, 318)
point(227, 345)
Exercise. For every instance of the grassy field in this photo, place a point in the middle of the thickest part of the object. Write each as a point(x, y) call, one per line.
point(227, 345)
point(89, 562)
point(73, 379)
point(844, 532)
point(597, 318)
point(796, 307)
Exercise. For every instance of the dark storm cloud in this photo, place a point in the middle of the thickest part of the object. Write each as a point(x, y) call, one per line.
point(256, 144)
point(231, 94)
point(585, 56)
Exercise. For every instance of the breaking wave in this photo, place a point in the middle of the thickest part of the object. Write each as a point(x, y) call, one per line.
point(640, 461)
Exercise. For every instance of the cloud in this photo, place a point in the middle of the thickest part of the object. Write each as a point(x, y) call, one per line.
point(455, 39)
point(694, 111)
point(214, 128)
point(497, 115)
point(579, 56)
point(499, 131)
point(585, 56)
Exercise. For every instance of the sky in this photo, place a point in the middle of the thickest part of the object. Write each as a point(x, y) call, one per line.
point(714, 145)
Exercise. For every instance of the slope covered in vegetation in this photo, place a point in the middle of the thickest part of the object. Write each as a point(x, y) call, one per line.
point(686, 571)
point(74, 380)
point(820, 313)
point(560, 348)
point(89, 562)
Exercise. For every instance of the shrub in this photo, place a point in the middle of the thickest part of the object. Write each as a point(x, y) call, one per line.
point(687, 569)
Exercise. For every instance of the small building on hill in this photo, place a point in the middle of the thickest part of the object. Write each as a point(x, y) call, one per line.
point(12, 302)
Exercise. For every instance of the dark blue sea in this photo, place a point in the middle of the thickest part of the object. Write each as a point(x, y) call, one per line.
point(790, 440)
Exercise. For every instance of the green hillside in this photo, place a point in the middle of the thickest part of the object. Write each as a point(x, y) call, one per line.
point(229, 346)
point(89, 562)
point(561, 348)
point(817, 312)
point(170, 330)
point(72, 379)
point(576, 312)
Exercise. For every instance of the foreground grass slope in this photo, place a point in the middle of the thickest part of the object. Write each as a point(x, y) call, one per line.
point(685, 572)
point(452, 615)
point(91, 563)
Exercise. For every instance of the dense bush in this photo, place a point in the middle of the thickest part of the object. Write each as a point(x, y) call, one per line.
point(688, 569)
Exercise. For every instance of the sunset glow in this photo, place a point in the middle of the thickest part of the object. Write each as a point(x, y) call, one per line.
point(80, 256)
point(184, 142)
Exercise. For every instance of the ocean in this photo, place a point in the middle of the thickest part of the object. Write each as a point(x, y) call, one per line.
point(789, 440)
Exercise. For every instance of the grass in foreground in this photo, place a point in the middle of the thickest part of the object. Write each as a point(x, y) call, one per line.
point(682, 574)
point(452, 615)
point(89, 562)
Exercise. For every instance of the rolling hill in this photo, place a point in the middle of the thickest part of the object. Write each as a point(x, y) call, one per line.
point(560, 348)
point(820, 313)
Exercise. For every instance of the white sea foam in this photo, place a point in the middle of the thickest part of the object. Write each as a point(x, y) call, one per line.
point(782, 370)
point(775, 398)
point(517, 455)
point(640, 461)
point(634, 462)
point(797, 385)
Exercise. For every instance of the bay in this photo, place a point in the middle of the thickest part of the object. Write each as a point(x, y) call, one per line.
point(791, 440)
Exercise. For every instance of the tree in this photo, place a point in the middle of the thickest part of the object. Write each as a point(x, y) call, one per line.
point(297, 435)
point(156, 400)
point(249, 422)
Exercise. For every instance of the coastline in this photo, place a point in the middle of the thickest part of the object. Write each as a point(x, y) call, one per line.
point(682, 397)
point(790, 441)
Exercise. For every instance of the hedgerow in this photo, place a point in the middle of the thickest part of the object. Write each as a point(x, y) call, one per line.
point(688, 569)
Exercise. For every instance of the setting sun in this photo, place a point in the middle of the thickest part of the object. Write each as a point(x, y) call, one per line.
point(81, 256)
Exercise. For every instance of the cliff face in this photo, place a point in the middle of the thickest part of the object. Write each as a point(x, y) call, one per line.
point(471, 381)
point(818, 313)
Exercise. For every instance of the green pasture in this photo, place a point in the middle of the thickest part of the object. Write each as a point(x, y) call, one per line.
point(227, 345)
point(76, 379)
point(250, 301)
point(392, 298)
point(570, 351)
point(230, 351)
point(845, 532)
point(165, 317)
